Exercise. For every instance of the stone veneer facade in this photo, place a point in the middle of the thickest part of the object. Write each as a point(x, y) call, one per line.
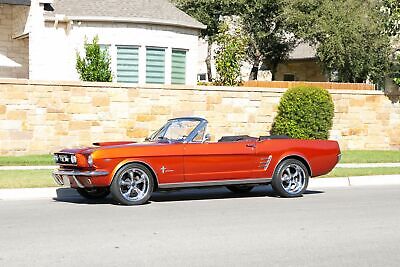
point(42, 117)
point(13, 45)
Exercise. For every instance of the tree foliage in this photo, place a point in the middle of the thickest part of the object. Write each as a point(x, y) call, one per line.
point(305, 113)
point(261, 21)
point(391, 11)
point(349, 35)
point(210, 13)
point(269, 41)
point(95, 65)
point(229, 55)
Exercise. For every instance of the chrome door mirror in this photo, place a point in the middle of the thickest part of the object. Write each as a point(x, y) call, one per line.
point(207, 138)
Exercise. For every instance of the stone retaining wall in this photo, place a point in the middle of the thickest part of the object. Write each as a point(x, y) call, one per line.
point(42, 117)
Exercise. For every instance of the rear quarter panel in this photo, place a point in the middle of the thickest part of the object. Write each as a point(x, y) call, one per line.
point(321, 155)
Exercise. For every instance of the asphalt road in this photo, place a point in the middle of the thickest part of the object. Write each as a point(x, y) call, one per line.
point(355, 226)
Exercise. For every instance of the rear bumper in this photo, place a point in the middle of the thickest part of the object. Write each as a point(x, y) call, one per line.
point(80, 179)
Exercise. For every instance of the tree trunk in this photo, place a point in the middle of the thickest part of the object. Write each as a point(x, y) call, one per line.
point(254, 70)
point(208, 61)
point(273, 71)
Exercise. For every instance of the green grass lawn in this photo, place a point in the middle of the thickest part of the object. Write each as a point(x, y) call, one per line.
point(370, 156)
point(26, 179)
point(34, 160)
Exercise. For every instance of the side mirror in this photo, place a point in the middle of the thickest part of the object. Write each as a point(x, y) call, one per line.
point(207, 138)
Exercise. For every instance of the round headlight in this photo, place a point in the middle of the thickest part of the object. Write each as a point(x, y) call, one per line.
point(73, 159)
point(55, 157)
point(90, 161)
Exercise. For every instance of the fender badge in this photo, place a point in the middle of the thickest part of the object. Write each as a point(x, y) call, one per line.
point(165, 170)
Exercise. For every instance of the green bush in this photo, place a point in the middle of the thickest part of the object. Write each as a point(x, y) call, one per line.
point(229, 56)
point(304, 112)
point(95, 65)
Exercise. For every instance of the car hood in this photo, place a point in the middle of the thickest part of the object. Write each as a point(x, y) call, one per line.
point(106, 145)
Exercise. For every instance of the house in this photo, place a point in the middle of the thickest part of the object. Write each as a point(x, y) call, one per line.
point(302, 65)
point(149, 41)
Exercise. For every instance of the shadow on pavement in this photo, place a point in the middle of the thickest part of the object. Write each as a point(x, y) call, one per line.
point(71, 196)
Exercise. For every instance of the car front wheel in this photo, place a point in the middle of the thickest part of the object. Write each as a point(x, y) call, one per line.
point(290, 178)
point(132, 185)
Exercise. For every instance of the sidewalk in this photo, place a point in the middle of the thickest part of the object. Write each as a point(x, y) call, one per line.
point(315, 183)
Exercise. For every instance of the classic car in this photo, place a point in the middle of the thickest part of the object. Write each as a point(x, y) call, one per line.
point(181, 155)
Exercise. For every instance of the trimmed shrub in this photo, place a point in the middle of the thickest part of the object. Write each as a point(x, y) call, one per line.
point(95, 66)
point(304, 112)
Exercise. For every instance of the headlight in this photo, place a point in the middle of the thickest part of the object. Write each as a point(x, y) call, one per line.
point(90, 161)
point(73, 159)
point(55, 157)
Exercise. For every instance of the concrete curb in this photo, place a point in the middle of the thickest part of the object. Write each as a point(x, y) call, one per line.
point(355, 181)
point(315, 183)
point(367, 165)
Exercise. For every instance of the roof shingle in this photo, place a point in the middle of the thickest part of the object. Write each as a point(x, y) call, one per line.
point(147, 10)
point(16, 2)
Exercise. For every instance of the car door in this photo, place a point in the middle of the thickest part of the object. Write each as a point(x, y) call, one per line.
point(219, 161)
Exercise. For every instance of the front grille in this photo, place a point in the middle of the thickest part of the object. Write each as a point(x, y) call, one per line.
point(65, 159)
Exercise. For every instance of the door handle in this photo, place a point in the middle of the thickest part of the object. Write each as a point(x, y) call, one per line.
point(250, 145)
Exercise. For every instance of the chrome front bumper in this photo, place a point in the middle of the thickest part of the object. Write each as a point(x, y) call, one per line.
point(60, 175)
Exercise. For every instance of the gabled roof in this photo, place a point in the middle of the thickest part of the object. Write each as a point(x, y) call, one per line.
point(16, 2)
point(140, 11)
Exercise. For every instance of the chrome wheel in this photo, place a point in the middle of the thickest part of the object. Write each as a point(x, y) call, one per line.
point(134, 184)
point(293, 179)
point(290, 178)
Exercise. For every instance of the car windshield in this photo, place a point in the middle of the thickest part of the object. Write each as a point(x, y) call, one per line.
point(175, 130)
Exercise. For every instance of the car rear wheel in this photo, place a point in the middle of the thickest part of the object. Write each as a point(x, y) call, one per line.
point(132, 185)
point(290, 178)
point(94, 193)
point(240, 188)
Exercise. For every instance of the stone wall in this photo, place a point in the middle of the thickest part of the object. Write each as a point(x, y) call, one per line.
point(42, 117)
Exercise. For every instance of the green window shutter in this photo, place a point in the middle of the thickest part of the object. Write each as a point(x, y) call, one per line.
point(155, 65)
point(178, 74)
point(127, 64)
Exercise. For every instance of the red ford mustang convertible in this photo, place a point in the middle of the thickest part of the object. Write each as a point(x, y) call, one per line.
point(180, 155)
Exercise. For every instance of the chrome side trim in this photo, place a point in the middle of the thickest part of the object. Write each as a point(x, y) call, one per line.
point(80, 173)
point(215, 183)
